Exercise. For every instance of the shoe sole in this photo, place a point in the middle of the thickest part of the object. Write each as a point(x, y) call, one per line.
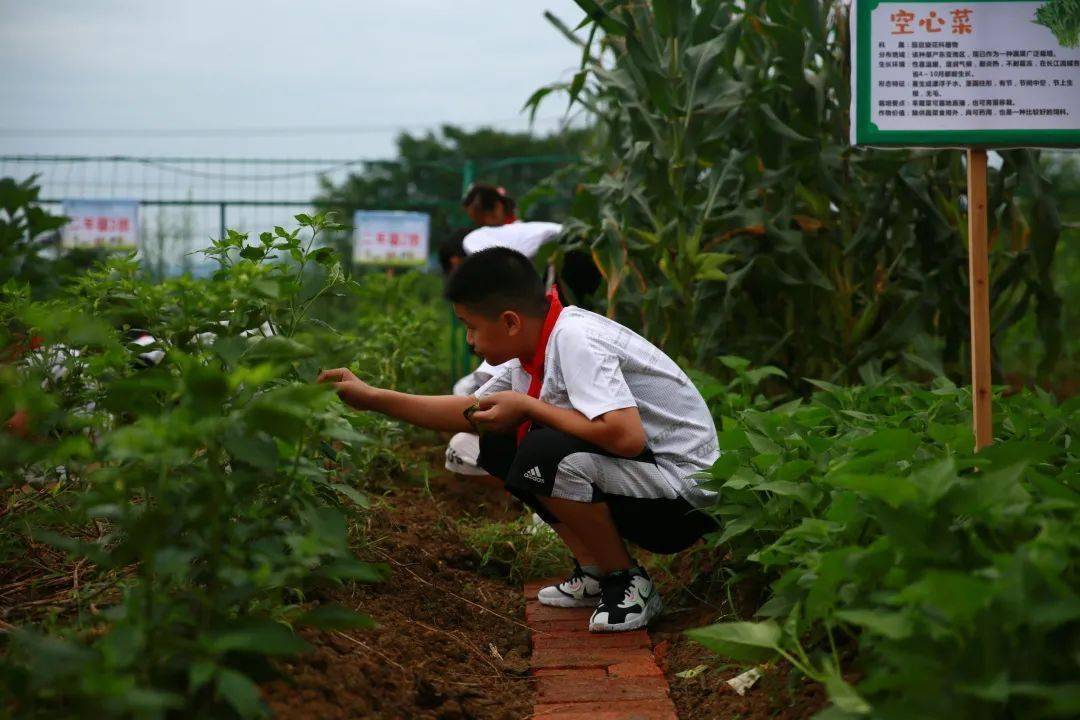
point(568, 602)
point(652, 608)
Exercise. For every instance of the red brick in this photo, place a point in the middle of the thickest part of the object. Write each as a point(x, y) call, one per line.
point(631, 710)
point(534, 611)
point(660, 653)
point(637, 639)
point(571, 673)
point(575, 625)
point(635, 668)
point(586, 657)
point(592, 676)
point(569, 689)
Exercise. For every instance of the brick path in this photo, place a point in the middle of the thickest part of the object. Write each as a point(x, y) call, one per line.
point(591, 676)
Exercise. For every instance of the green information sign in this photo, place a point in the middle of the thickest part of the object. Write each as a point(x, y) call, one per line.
point(980, 73)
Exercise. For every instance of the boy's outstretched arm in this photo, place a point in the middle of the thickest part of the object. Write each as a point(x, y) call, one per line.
point(435, 412)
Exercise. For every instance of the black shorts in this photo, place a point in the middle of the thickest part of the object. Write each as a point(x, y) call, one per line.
point(550, 463)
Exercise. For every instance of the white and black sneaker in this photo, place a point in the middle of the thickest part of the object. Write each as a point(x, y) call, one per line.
point(580, 589)
point(628, 601)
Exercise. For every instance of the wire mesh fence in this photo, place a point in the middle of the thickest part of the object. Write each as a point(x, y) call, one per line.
point(184, 202)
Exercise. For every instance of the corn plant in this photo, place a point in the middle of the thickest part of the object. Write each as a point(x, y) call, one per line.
point(730, 216)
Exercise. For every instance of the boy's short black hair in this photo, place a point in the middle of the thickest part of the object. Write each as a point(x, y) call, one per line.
point(495, 280)
point(453, 246)
point(488, 196)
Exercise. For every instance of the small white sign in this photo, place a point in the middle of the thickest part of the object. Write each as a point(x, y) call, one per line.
point(390, 238)
point(101, 223)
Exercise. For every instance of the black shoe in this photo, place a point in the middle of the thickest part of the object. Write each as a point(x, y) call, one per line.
point(628, 601)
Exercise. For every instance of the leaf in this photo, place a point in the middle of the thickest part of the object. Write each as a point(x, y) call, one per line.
point(335, 617)
point(200, 672)
point(239, 691)
point(253, 252)
point(577, 84)
point(732, 440)
point(893, 625)
point(734, 362)
point(804, 493)
point(340, 429)
point(692, 672)
point(832, 569)
point(266, 638)
point(779, 127)
point(256, 450)
point(997, 493)
point(266, 287)
point(325, 256)
point(893, 490)
point(900, 441)
point(747, 641)
point(763, 445)
point(844, 696)
point(596, 13)
point(935, 480)
point(50, 659)
point(1063, 700)
point(957, 596)
point(353, 569)
point(793, 470)
point(353, 494)
point(277, 347)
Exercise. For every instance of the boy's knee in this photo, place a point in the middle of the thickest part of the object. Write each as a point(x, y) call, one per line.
point(463, 454)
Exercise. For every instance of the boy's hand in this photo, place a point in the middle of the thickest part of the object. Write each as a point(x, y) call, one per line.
point(353, 391)
point(502, 411)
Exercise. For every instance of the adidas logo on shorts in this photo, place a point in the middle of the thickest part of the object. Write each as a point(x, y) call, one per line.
point(534, 475)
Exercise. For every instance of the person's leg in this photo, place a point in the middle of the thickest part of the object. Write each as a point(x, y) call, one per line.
point(590, 527)
point(578, 548)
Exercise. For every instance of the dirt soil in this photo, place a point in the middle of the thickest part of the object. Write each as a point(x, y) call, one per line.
point(451, 641)
point(692, 600)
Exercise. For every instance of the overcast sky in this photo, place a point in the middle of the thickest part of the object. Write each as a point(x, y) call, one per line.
point(197, 64)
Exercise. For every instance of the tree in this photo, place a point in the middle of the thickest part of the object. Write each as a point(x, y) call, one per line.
point(429, 172)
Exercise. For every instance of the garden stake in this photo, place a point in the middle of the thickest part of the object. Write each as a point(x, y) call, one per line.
point(979, 299)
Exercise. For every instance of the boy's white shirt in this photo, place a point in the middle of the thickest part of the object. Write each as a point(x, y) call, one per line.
point(525, 237)
point(595, 365)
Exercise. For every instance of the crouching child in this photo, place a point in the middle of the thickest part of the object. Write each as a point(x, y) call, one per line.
point(586, 422)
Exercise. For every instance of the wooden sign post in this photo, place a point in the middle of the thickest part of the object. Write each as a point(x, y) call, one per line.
point(979, 298)
point(974, 75)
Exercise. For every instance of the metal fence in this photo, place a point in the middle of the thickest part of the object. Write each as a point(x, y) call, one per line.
point(186, 201)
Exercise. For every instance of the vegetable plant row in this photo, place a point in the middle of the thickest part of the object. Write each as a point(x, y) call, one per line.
point(169, 439)
point(909, 575)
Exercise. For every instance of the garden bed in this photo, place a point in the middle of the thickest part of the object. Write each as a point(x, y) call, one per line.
point(450, 641)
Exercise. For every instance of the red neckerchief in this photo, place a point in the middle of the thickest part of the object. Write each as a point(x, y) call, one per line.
point(535, 367)
point(512, 218)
